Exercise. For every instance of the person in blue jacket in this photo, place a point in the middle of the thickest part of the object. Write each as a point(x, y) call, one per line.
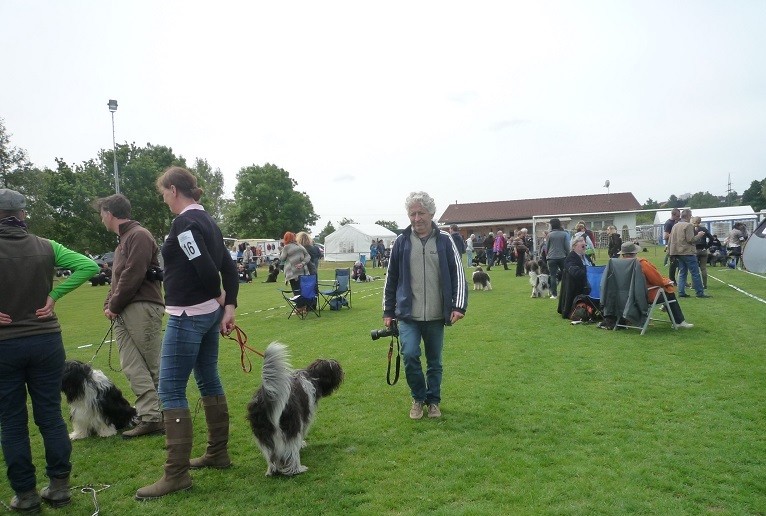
point(425, 290)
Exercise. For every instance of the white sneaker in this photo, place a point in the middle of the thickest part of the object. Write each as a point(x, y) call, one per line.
point(684, 324)
point(553, 297)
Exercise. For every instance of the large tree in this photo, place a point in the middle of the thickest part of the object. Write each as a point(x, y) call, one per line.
point(266, 204)
point(389, 224)
point(703, 200)
point(755, 196)
point(14, 163)
point(329, 228)
point(139, 168)
point(211, 182)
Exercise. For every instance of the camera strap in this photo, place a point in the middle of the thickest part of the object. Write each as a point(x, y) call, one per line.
point(241, 339)
point(398, 361)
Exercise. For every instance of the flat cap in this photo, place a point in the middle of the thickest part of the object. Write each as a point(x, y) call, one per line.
point(11, 200)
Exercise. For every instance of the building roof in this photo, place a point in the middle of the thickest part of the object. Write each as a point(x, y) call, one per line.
point(527, 208)
point(713, 214)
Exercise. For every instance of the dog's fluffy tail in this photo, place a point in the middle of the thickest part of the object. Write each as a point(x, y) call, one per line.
point(277, 375)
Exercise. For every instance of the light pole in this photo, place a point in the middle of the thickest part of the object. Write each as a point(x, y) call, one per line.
point(112, 108)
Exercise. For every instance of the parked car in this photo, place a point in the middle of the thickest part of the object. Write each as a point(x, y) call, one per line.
point(107, 258)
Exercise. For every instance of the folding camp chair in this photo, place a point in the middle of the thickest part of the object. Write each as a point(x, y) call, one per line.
point(624, 296)
point(339, 293)
point(307, 297)
point(594, 275)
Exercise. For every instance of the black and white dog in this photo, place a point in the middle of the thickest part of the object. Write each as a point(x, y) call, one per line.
point(540, 284)
point(282, 410)
point(481, 280)
point(96, 405)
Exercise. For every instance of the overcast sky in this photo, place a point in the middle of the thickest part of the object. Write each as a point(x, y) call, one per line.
point(363, 102)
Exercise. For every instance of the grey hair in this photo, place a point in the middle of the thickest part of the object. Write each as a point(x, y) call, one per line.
point(421, 198)
point(578, 240)
point(686, 213)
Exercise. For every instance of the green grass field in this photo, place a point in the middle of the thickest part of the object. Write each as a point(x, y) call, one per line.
point(539, 416)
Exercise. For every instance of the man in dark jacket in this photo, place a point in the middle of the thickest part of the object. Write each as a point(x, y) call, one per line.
point(425, 290)
point(136, 306)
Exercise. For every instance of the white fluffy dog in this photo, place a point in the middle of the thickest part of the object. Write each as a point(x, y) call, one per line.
point(540, 284)
point(481, 279)
point(96, 405)
point(282, 410)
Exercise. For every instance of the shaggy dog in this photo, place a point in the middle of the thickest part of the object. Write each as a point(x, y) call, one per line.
point(540, 285)
point(481, 280)
point(282, 410)
point(273, 273)
point(531, 266)
point(96, 405)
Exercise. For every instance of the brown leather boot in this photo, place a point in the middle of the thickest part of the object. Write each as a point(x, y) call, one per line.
point(178, 441)
point(217, 419)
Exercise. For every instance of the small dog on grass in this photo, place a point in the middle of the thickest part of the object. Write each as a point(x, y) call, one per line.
point(481, 279)
point(282, 410)
point(96, 405)
point(540, 284)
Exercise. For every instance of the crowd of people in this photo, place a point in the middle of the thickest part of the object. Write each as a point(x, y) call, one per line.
point(425, 291)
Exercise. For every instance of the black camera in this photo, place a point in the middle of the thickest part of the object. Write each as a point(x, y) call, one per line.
point(155, 274)
point(391, 331)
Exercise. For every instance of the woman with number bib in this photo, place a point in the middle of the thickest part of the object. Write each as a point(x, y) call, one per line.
point(196, 264)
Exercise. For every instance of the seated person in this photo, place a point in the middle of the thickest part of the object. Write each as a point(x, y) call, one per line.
point(243, 274)
point(574, 280)
point(104, 276)
point(358, 273)
point(655, 279)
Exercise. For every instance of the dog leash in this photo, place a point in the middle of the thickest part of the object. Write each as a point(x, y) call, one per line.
point(91, 489)
point(398, 361)
point(241, 339)
point(109, 332)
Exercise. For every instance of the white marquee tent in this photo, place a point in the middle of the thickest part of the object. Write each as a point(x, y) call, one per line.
point(352, 240)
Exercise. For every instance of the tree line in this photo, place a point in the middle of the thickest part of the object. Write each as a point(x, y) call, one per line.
point(60, 200)
point(265, 204)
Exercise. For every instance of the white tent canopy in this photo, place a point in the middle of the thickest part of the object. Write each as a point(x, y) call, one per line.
point(352, 240)
point(734, 213)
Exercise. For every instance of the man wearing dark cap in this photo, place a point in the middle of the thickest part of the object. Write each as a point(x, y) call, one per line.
point(32, 353)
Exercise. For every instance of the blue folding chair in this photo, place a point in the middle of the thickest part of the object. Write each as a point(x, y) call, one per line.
point(339, 293)
point(306, 300)
point(594, 274)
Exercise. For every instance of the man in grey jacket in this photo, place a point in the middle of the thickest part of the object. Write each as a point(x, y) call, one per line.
point(425, 290)
point(683, 245)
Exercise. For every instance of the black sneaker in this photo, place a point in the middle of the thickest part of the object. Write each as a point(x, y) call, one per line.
point(683, 295)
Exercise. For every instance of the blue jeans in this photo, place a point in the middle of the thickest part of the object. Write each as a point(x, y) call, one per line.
point(35, 364)
point(490, 258)
point(688, 263)
point(190, 344)
point(424, 389)
point(554, 265)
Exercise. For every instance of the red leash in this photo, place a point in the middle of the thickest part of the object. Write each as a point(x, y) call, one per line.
point(241, 339)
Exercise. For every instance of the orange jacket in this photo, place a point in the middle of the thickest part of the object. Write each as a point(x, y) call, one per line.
point(655, 279)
